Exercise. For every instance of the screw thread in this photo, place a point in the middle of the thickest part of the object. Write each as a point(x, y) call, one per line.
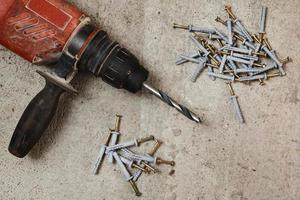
point(267, 42)
point(146, 139)
point(220, 20)
point(135, 188)
point(138, 167)
point(155, 147)
point(167, 162)
point(230, 13)
point(274, 75)
point(118, 123)
point(232, 93)
point(108, 138)
point(180, 26)
point(149, 167)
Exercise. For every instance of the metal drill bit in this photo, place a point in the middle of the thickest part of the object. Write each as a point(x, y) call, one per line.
point(165, 98)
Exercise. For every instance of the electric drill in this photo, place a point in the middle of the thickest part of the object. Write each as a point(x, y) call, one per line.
point(55, 33)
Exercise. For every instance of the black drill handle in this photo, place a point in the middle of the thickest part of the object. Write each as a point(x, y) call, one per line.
point(35, 120)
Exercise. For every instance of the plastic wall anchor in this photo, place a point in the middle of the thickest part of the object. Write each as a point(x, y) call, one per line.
point(99, 160)
point(198, 71)
point(114, 139)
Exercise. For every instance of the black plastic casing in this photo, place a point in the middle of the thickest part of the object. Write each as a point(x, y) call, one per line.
point(114, 64)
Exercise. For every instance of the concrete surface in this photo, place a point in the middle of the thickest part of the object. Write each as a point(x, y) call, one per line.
point(220, 159)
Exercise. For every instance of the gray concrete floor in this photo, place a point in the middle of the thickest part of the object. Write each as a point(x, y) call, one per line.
point(220, 159)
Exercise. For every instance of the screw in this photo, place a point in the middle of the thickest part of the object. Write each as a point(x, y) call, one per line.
point(232, 93)
point(146, 139)
point(138, 167)
point(220, 20)
point(118, 123)
point(180, 26)
point(167, 162)
point(260, 54)
point(211, 48)
point(220, 42)
point(212, 65)
point(135, 188)
point(214, 60)
point(267, 43)
point(155, 147)
point(286, 60)
point(273, 75)
point(149, 167)
point(109, 137)
point(151, 153)
point(131, 164)
point(258, 65)
point(256, 38)
point(239, 37)
point(230, 13)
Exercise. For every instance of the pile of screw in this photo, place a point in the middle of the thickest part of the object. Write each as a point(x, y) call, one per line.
point(241, 56)
point(126, 159)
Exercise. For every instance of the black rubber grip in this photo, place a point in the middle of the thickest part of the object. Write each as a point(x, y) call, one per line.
point(35, 120)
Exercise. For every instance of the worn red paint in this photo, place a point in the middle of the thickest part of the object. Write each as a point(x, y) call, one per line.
point(37, 30)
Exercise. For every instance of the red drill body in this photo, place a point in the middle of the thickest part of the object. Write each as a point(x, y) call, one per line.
point(37, 30)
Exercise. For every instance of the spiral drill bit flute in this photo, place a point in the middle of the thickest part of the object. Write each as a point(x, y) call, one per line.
point(55, 33)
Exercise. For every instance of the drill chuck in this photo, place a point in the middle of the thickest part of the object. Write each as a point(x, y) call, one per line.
point(114, 64)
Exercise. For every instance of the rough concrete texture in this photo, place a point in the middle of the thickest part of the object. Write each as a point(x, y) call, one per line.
point(219, 159)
